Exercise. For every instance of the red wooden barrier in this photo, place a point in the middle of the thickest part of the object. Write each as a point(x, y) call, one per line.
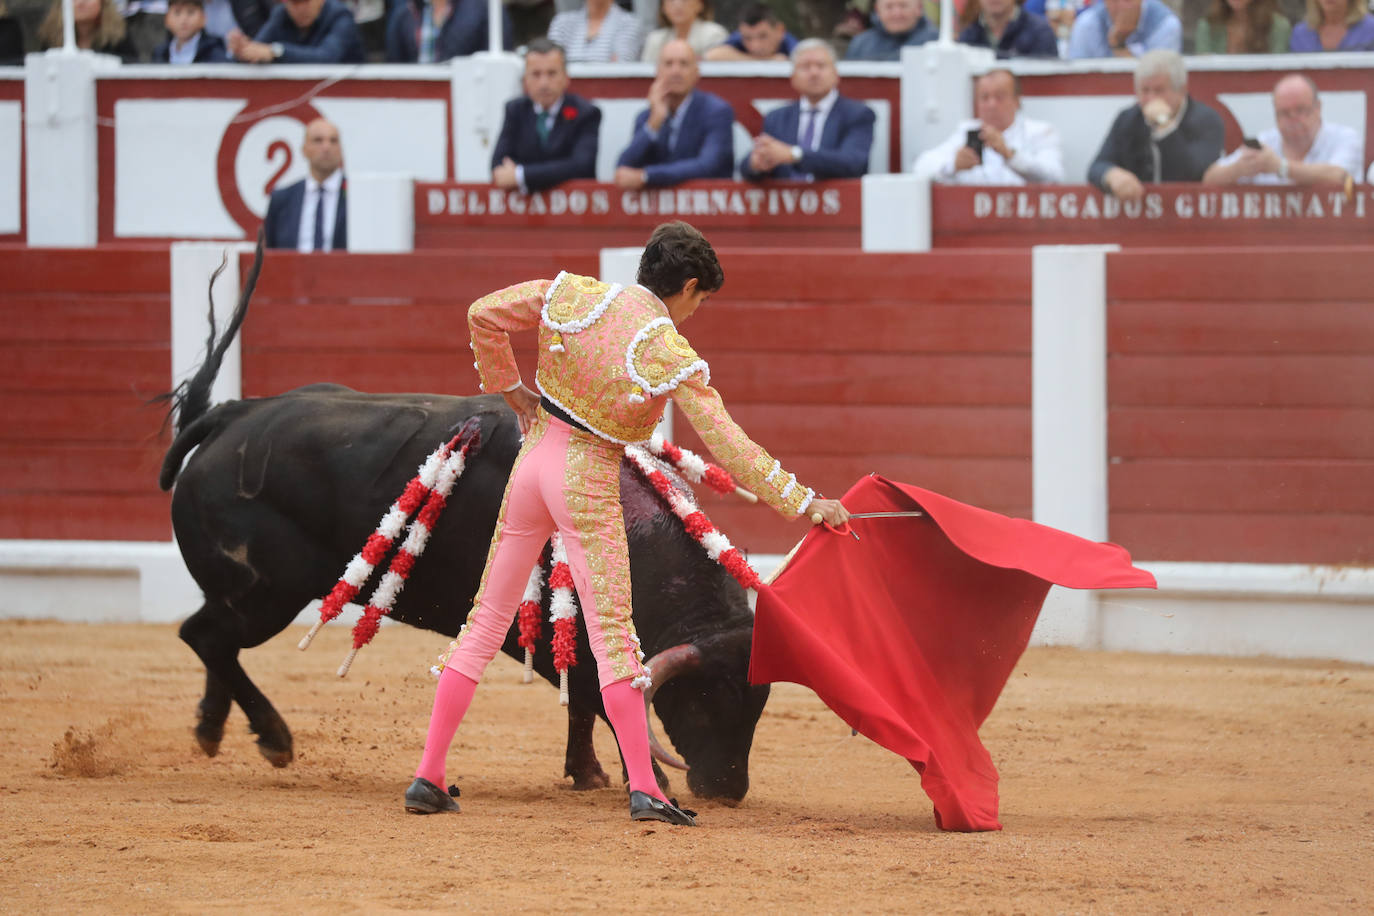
point(84, 342)
point(1241, 397)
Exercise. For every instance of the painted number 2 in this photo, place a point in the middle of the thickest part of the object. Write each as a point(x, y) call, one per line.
point(284, 148)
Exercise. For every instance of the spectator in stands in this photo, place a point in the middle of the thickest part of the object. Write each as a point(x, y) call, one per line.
point(683, 134)
point(98, 26)
point(249, 15)
point(188, 42)
point(549, 135)
point(301, 32)
point(760, 36)
point(1334, 25)
point(1242, 27)
point(428, 31)
point(690, 20)
point(600, 32)
point(900, 23)
point(11, 38)
point(1008, 30)
point(1125, 28)
point(1301, 149)
point(1166, 136)
point(822, 135)
point(312, 214)
point(1010, 149)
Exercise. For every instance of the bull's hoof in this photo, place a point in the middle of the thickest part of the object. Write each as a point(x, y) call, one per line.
point(210, 746)
point(277, 756)
point(585, 782)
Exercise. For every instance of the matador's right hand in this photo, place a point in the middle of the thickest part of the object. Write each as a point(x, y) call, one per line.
point(525, 403)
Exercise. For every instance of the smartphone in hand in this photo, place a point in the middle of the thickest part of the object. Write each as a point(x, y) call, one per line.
point(974, 141)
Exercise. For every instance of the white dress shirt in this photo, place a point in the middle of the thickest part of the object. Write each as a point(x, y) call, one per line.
point(1036, 156)
point(1335, 144)
point(314, 191)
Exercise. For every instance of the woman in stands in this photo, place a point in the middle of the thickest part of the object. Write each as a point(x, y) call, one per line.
point(99, 27)
point(691, 20)
point(601, 32)
point(1334, 25)
point(1243, 27)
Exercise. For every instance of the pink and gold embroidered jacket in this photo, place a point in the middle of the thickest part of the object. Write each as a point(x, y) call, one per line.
point(608, 356)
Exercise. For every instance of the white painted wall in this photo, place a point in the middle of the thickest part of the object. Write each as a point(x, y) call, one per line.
point(11, 149)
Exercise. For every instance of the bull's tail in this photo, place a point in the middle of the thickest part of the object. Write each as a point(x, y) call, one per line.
point(190, 399)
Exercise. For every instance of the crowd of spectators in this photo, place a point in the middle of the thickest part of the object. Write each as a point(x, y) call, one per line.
point(346, 31)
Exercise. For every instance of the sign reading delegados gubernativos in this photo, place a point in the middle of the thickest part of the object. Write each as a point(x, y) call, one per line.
point(590, 203)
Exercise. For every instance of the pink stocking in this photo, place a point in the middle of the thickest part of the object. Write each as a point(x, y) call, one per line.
point(625, 708)
point(451, 700)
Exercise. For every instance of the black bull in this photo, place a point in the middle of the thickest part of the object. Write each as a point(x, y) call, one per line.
point(282, 491)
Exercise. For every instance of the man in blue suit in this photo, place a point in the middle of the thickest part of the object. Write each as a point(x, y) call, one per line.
point(312, 214)
point(684, 133)
point(549, 135)
point(822, 135)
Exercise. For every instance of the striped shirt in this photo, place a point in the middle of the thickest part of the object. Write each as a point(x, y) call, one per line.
point(620, 39)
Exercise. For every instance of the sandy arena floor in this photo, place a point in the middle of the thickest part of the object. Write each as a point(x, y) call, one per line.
point(1129, 784)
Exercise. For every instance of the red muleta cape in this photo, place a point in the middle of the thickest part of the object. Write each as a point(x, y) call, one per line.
point(910, 633)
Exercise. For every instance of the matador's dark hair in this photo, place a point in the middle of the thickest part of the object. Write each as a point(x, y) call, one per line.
point(674, 254)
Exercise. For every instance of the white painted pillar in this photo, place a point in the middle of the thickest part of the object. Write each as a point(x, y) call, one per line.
point(896, 213)
point(381, 213)
point(621, 265)
point(192, 265)
point(1069, 418)
point(60, 139)
point(482, 84)
point(937, 93)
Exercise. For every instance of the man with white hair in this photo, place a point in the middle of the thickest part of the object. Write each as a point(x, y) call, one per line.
point(999, 146)
point(1300, 149)
point(1165, 136)
point(822, 135)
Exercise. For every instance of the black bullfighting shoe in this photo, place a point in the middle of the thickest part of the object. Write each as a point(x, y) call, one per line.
point(424, 797)
point(644, 807)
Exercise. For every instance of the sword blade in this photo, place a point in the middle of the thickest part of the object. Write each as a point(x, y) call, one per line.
point(914, 513)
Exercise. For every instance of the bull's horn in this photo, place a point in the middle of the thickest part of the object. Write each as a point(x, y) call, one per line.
point(665, 666)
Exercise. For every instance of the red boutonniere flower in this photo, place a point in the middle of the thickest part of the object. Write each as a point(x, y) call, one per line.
point(569, 112)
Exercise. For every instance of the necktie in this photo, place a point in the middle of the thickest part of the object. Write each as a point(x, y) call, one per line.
point(541, 126)
point(319, 220)
point(809, 130)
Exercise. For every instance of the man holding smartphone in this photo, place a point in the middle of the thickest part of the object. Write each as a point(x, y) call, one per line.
point(999, 146)
point(1301, 149)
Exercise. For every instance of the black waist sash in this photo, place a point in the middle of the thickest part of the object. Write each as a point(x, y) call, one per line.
point(555, 411)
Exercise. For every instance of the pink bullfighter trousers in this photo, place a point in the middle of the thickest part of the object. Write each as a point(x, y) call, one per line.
point(568, 480)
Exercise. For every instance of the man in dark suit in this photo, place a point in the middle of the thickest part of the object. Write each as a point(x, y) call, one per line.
point(549, 135)
point(312, 214)
point(301, 32)
point(822, 135)
point(684, 133)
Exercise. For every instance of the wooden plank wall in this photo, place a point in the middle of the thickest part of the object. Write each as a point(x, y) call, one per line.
point(84, 342)
point(840, 363)
point(1241, 399)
